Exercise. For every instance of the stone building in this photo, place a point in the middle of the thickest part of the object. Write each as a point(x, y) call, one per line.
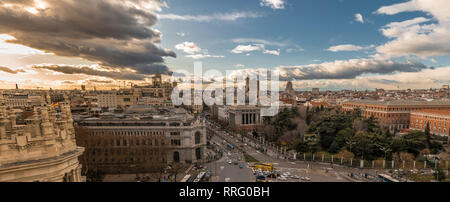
point(38, 145)
point(133, 142)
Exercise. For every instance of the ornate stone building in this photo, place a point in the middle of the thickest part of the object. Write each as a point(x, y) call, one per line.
point(38, 144)
point(141, 140)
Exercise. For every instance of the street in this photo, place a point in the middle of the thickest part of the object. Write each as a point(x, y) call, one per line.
point(225, 172)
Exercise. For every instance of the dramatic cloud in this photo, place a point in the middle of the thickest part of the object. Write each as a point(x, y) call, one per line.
point(188, 47)
point(349, 47)
point(8, 70)
point(113, 33)
point(66, 69)
point(359, 18)
point(418, 36)
point(100, 81)
point(274, 4)
point(233, 16)
point(346, 69)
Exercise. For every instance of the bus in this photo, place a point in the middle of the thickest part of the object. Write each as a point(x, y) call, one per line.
point(186, 178)
point(200, 176)
point(263, 166)
point(386, 178)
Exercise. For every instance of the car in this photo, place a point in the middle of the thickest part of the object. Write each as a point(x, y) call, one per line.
point(282, 178)
point(306, 178)
point(295, 177)
point(241, 166)
point(230, 162)
point(260, 178)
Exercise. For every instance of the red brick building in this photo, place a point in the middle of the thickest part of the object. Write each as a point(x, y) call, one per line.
point(394, 115)
point(439, 121)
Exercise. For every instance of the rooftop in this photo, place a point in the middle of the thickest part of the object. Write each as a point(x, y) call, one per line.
point(401, 102)
point(434, 111)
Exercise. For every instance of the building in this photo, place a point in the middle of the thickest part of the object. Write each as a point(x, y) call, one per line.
point(38, 145)
point(107, 100)
point(395, 114)
point(438, 120)
point(248, 118)
point(139, 138)
point(315, 91)
point(18, 100)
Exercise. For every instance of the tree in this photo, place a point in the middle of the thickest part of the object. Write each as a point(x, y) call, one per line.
point(345, 154)
point(301, 147)
point(344, 135)
point(176, 169)
point(440, 175)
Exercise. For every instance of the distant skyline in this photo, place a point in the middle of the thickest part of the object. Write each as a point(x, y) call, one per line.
point(327, 44)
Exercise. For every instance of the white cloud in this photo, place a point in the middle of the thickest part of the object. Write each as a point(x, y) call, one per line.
point(182, 34)
point(247, 48)
point(188, 47)
point(259, 41)
point(349, 47)
point(233, 16)
point(359, 18)
point(274, 4)
point(202, 56)
point(417, 37)
point(256, 47)
point(272, 52)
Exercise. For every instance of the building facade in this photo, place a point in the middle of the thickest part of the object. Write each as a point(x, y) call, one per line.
point(142, 136)
point(438, 121)
point(40, 146)
point(394, 115)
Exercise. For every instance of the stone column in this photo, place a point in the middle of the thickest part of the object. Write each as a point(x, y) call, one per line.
point(384, 163)
point(361, 163)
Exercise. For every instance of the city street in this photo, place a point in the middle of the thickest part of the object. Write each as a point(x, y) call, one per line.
point(232, 173)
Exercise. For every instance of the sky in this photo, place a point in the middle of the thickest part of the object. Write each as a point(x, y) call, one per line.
point(328, 44)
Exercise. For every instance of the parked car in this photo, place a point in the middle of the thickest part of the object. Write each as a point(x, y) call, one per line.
point(306, 178)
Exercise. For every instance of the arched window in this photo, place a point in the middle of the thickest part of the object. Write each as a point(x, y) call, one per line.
point(176, 157)
point(198, 137)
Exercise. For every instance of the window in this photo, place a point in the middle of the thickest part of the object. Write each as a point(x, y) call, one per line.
point(176, 142)
point(176, 157)
point(198, 136)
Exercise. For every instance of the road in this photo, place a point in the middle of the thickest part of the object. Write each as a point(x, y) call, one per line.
point(232, 173)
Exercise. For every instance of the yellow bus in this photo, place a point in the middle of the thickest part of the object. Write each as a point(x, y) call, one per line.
point(263, 166)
